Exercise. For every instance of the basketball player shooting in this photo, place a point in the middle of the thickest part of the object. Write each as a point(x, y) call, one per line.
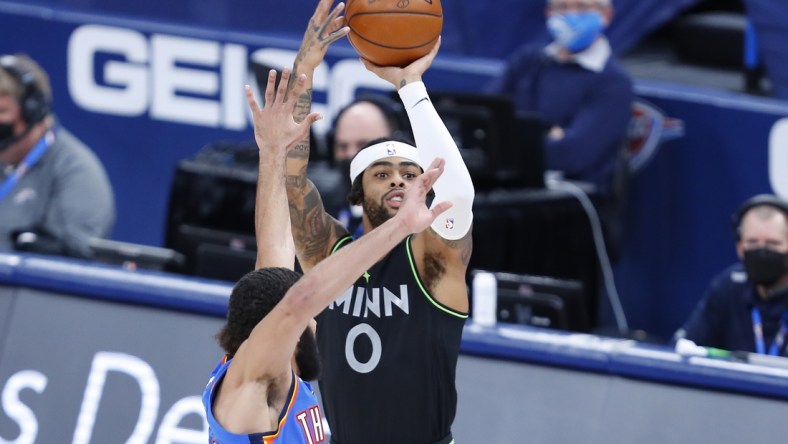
point(255, 393)
point(389, 345)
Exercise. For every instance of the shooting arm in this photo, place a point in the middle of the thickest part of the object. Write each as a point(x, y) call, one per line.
point(434, 140)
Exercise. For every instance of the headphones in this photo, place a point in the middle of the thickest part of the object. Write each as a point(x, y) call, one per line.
point(392, 113)
point(755, 201)
point(33, 104)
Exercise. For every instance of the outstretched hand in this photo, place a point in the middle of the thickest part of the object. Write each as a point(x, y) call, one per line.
point(413, 212)
point(400, 77)
point(274, 126)
point(323, 29)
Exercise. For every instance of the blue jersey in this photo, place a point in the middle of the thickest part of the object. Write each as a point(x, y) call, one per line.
point(300, 421)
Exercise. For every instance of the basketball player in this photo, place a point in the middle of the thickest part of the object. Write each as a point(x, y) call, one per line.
point(389, 344)
point(255, 393)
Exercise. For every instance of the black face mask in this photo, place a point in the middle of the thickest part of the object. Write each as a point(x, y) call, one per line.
point(764, 266)
point(7, 136)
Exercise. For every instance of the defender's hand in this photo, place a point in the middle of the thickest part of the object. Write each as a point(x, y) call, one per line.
point(413, 212)
point(274, 127)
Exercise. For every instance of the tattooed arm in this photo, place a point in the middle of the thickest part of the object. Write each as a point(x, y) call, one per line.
point(314, 230)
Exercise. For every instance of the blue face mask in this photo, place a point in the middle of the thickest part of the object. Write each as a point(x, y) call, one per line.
point(575, 31)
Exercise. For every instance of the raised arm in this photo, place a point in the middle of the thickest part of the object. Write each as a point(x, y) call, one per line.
point(274, 131)
point(449, 242)
point(260, 358)
point(314, 230)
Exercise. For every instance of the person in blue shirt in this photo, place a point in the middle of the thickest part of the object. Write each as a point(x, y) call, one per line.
point(745, 308)
point(257, 391)
point(578, 88)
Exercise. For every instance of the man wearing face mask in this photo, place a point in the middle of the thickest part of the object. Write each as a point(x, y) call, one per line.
point(54, 192)
point(746, 306)
point(577, 87)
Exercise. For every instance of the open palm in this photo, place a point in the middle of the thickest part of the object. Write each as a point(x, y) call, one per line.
point(274, 126)
point(413, 212)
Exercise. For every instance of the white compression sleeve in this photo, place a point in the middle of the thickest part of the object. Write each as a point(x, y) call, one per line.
point(434, 140)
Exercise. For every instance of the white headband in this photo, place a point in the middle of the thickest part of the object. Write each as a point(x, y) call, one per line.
point(369, 155)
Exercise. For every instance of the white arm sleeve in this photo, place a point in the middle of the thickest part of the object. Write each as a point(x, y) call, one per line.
point(434, 140)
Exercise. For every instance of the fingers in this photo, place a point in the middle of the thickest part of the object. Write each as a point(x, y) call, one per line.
point(323, 7)
point(339, 33)
point(433, 172)
point(425, 61)
point(281, 92)
point(298, 88)
point(307, 122)
point(437, 209)
point(250, 100)
point(434, 51)
point(269, 87)
point(371, 67)
point(312, 118)
point(438, 162)
point(336, 11)
point(430, 56)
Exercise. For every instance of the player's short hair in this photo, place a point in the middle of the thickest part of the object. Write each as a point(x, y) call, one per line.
point(252, 298)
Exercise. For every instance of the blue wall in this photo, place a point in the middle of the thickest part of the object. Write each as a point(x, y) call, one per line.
point(677, 233)
point(678, 225)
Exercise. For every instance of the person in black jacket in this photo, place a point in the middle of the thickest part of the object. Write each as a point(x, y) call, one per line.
point(746, 306)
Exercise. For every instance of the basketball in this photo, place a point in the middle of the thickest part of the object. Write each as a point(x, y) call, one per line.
point(393, 32)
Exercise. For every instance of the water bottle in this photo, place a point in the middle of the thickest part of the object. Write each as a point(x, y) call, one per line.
point(485, 299)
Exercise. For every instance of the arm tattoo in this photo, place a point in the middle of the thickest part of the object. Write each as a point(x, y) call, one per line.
point(314, 229)
point(303, 106)
point(464, 246)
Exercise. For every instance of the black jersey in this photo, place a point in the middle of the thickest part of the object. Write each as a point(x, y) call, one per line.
point(389, 353)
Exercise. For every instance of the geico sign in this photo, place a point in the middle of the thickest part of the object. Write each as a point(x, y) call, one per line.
point(104, 362)
point(124, 72)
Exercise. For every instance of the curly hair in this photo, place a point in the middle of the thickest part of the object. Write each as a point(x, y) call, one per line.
point(252, 298)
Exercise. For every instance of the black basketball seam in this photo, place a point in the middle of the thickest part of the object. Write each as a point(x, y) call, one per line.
point(430, 14)
point(404, 48)
point(401, 48)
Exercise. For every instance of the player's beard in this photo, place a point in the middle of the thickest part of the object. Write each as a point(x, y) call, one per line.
point(376, 213)
point(308, 357)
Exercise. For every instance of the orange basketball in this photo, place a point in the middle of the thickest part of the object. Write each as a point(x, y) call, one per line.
point(393, 32)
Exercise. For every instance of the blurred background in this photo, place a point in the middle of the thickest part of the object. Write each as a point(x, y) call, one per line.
point(155, 88)
point(149, 85)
